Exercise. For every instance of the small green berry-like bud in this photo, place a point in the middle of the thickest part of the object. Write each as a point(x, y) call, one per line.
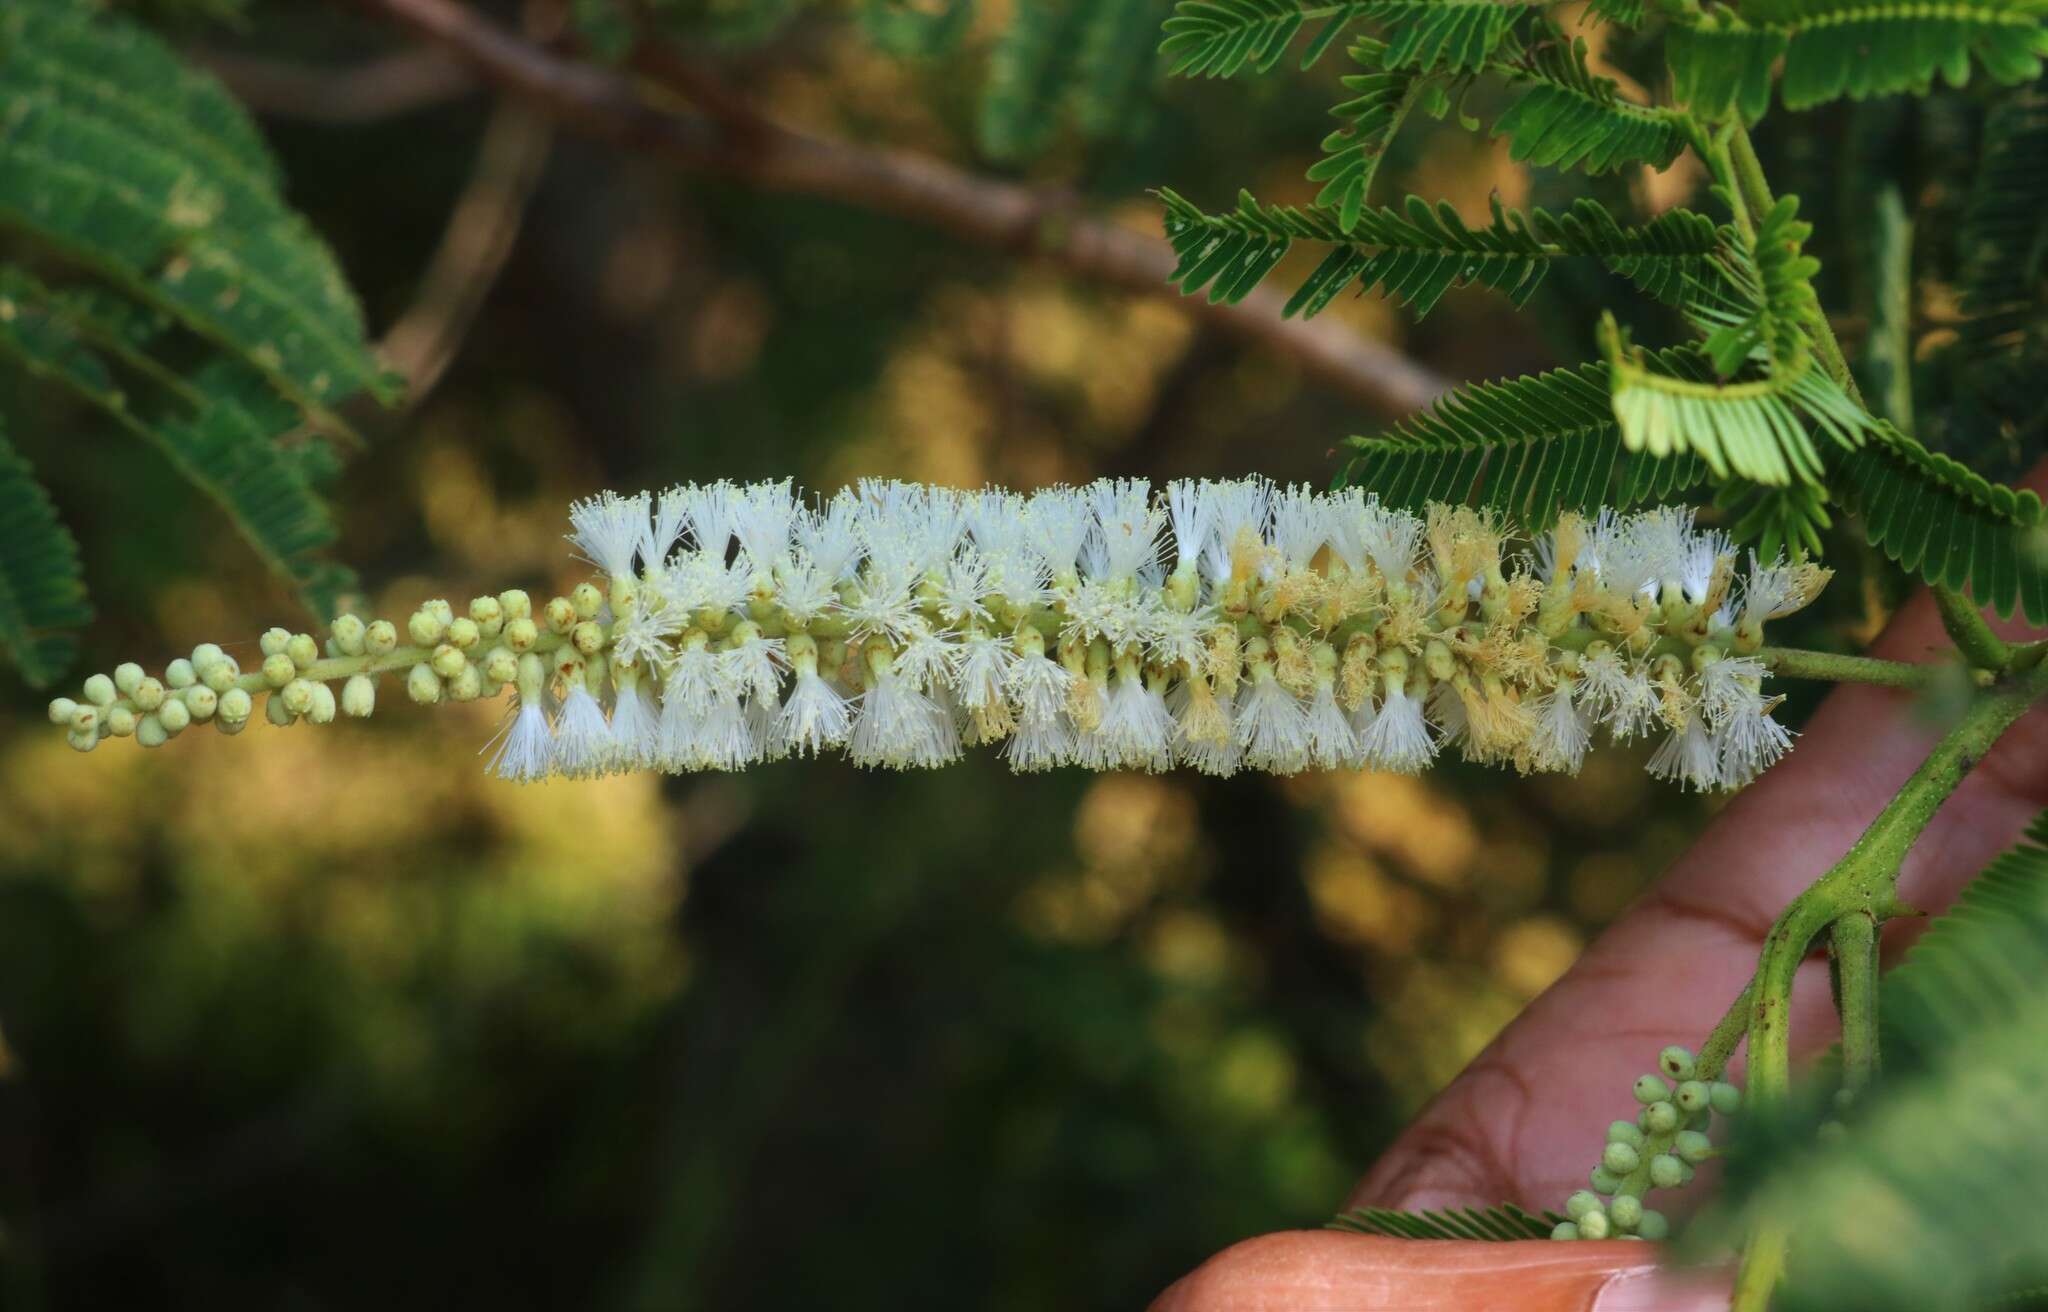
point(278, 669)
point(83, 741)
point(278, 711)
point(1662, 1117)
point(1626, 1212)
point(587, 600)
point(1582, 1202)
point(381, 638)
point(1564, 1230)
point(1692, 1096)
point(220, 673)
point(274, 641)
point(561, 615)
point(1653, 1225)
point(87, 720)
point(297, 696)
point(464, 633)
point(302, 649)
point(149, 731)
point(441, 610)
point(201, 701)
point(1651, 1088)
point(1724, 1097)
point(323, 705)
point(359, 696)
point(467, 685)
point(230, 727)
point(1675, 1062)
point(1693, 1146)
point(588, 637)
point(501, 666)
point(180, 674)
point(1620, 1158)
point(149, 694)
point(425, 627)
point(1594, 1225)
point(120, 721)
point(1625, 1132)
point(348, 635)
point(1666, 1171)
point(1603, 1180)
point(62, 709)
point(521, 634)
point(447, 661)
point(205, 654)
point(488, 613)
point(99, 690)
point(515, 604)
point(174, 716)
point(126, 676)
point(235, 706)
point(423, 685)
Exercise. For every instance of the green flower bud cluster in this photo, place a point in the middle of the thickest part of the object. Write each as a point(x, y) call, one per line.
point(1659, 1149)
point(1219, 626)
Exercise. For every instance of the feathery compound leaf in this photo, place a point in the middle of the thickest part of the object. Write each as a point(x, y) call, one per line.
point(1627, 13)
point(1532, 447)
point(1947, 524)
point(1417, 254)
point(1569, 118)
point(42, 584)
point(1352, 153)
point(130, 165)
point(1497, 1224)
point(1723, 69)
point(1089, 58)
point(226, 444)
point(1216, 38)
point(2004, 238)
point(1448, 36)
point(1931, 1201)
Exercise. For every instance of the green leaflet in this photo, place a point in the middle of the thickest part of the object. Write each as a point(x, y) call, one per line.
point(42, 583)
point(1419, 252)
point(226, 445)
point(168, 195)
point(1090, 58)
point(1568, 118)
point(1532, 447)
point(1218, 38)
point(1498, 1224)
point(1352, 154)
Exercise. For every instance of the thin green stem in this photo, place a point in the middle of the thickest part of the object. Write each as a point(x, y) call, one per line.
point(1763, 1262)
point(1965, 624)
point(1720, 1044)
point(1853, 940)
point(1797, 663)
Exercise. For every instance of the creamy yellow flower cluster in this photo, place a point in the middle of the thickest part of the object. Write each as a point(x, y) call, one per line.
point(1220, 625)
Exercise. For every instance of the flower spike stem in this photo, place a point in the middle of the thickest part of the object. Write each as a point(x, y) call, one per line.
point(1794, 663)
point(1966, 626)
point(1852, 941)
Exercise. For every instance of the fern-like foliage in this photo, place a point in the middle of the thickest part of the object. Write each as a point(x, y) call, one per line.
point(1447, 36)
point(1532, 447)
point(1419, 252)
point(1570, 118)
point(1626, 13)
point(1084, 58)
point(1380, 100)
point(42, 584)
point(164, 282)
point(1502, 1224)
point(1854, 48)
point(1932, 1201)
point(1219, 38)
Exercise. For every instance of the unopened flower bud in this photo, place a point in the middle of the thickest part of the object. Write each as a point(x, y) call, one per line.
point(425, 627)
point(588, 637)
point(274, 641)
point(1627, 1132)
point(120, 721)
point(201, 701)
point(1564, 1230)
point(488, 613)
point(501, 666)
point(62, 709)
point(235, 706)
point(173, 716)
point(83, 741)
point(1653, 1225)
point(230, 727)
point(302, 649)
point(441, 610)
point(423, 685)
point(359, 696)
point(1650, 1088)
point(278, 669)
point(381, 638)
point(297, 696)
point(1582, 1202)
point(587, 600)
point(99, 690)
point(1620, 1158)
point(278, 711)
point(149, 731)
point(1594, 1225)
point(1666, 1171)
point(322, 710)
point(521, 634)
point(447, 661)
point(1692, 1146)
point(87, 720)
point(220, 674)
point(205, 654)
point(515, 604)
point(463, 633)
point(1603, 1180)
point(1662, 1117)
point(126, 676)
point(561, 615)
point(1675, 1062)
point(349, 632)
point(180, 674)
point(1725, 1098)
point(1626, 1212)
point(148, 695)
point(467, 685)
point(1692, 1096)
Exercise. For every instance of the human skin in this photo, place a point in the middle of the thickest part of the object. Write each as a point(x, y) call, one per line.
point(1525, 1121)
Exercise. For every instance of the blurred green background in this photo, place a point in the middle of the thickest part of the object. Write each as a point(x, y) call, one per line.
point(323, 1018)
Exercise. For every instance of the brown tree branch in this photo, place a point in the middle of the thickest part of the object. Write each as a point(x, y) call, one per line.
point(725, 138)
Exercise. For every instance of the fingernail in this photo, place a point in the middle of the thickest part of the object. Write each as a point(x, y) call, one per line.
point(1666, 1289)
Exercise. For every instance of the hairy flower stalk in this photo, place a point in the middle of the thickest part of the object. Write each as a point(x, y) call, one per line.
point(1223, 626)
